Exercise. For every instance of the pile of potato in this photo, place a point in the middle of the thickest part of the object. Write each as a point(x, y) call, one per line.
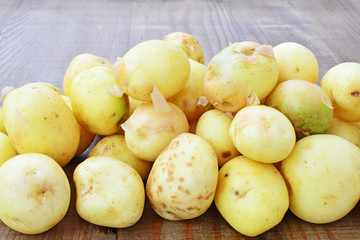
point(250, 131)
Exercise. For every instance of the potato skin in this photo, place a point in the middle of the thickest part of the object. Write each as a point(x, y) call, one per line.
point(38, 120)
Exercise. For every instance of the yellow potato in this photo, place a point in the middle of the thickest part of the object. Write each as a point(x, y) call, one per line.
point(213, 126)
point(34, 193)
point(2, 127)
point(262, 133)
point(322, 173)
point(93, 103)
point(191, 99)
point(108, 192)
point(345, 130)
point(81, 63)
point(295, 61)
point(251, 196)
point(182, 181)
point(7, 149)
point(147, 132)
point(342, 84)
point(115, 146)
point(188, 43)
point(38, 120)
point(149, 63)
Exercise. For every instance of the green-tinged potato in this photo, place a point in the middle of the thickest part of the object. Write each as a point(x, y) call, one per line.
point(115, 146)
point(2, 127)
point(34, 193)
point(295, 61)
point(241, 73)
point(147, 132)
point(345, 130)
point(322, 173)
point(49, 85)
point(262, 133)
point(251, 196)
point(38, 120)
point(342, 84)
point(7, 149)
point(191, 99)
point(182, 181)
point(109, 192)
point(81, 63)
point(305, 104)
point(213, 126)
point(86, 137)
point(149, 63)
point(188, 43)
point(93, 102)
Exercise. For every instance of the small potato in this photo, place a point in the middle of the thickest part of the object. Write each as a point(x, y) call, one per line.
point(346, 130)
point(251, 196)
point(191, 99)
point(295, 61)
point(108, 192)
point(213, 126)
point(188, 43)
point(81, 63)
point(7, 149)
point(115, 146)
point(2, 127)
point(34, 193)
point(322, 173)
point(93, 104)
point(38, 120)
point(147, 132)
point(262, 133)
point(182, 181)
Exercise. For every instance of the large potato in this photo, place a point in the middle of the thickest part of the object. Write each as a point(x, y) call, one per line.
point(81, 63)
point(38, 120)
point(323, 176)
point(147, 132)
point(182, 181)
point(115, 146)
point(251, 196)
point(213, 126)
point(34, 193)
point(108, 192)
point(93, 104)
point(7, 149)
point(262, 133)
point(149, 63)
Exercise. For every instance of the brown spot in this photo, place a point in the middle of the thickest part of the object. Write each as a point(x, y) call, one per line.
point(181, 179)
point(199, 197)
point(355, 93)
point(174, 215)
point(325, 203)
point(186, 103)
point(57, 115)
point(226, 154)
point(160, 188)
point(179, 188)
point(297, 69)
point(45, 118)
point(190, 208)
point(192, 157)
point(187, 191)
point(163, 205)
point(189, 164)
point(237, 193)
point(226, 174)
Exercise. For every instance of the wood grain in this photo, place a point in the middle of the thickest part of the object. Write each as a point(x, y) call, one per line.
point(38, 39)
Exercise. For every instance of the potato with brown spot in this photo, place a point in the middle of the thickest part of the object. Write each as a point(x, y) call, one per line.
point(181, 183)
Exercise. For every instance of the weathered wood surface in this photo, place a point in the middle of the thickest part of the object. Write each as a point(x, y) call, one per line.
point(38, 39)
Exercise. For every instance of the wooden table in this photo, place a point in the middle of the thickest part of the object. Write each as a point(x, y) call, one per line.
point(38, 39)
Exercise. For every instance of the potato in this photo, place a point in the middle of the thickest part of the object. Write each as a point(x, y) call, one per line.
point(322, 173)
point(81, 63)
point(115, 146)
point(149, 63)
point(342, 84)
point(188, 43)
point(34, 193)
point(108, 192)
point(38, 120)
point(295, 61)
point(262, 133)
point(213, 126)
point(86, 137)
point(147, 132)
point(93, 104)
point(240, 73)
point(345, 130)
point(7, 149)
point(251, 196)
point(182, 181)
point(191, 99)
point(2, 127)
